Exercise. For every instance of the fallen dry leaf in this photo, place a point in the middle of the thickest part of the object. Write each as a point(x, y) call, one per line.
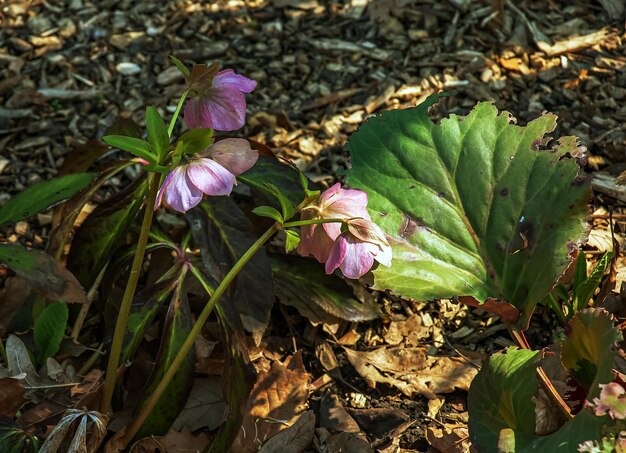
point(294, 439)
point(449, 440)
point(11, 396)
point(412, 371)
point(410, 331)
point(277, 399)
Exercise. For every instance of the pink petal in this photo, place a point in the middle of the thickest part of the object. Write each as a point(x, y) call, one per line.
point(229, 78)
point(337, 255)
point(384, 255)
point(234, 154)
point(162, 189)
point(358, 260)
point(210, 177)
point(180, 193)
point(196, 113)
point(322, 244)
point(344, 203)
point(227, 108)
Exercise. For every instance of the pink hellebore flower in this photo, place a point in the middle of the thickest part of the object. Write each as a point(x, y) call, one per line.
point(211, 172)
point(356, 249)
point(612, 401)
point(334, 203)
point(222, 106)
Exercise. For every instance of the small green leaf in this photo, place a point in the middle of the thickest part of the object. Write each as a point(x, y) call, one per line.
point(292, 240)
point(268, 211)
point(196, 140)
point(49, 329)
point(157, 133)
point(580, 272)
point(42, 272)
point(135, 146)
point(180, 65)
point(285, 204)
point(585, 289)
point(588, 352)
point(43, 195)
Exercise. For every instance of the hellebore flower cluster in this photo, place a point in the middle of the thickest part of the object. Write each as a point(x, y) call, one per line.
point(352, 249)
point(211, 172)
point(220, 103)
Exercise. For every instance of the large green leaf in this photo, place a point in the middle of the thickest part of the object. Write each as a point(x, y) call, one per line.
point(302, 283)
point(588, 352)
point(102, 232)
point(474, 206)
point(42, 196)
point(502, 410)
point(178, 324)
point(49, 329)
point(42, 272)
point(223, 234)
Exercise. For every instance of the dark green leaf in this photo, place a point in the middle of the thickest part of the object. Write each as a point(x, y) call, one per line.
point(268, 211)
point(49, 329)
point(43, 195)
point(269, 170)
point(61, 234)
point(43, 273)
point(135, 146)
point(102, 232)
point(145, 306)
point(474, 206)
point(239, 374)
point(196, 140)
point(585, 289)
point(180, 65)
point(178, 324)
point(157, 133)
point(500, 397)
point(302, 283)
point(292, 239)
point(14, 440)
point(223, 234)
point(588, 352)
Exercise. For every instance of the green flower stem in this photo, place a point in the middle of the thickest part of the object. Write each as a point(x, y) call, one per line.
point(314, 222)
point(181, 101)
point(131, 286)
point(546, 385)
point(195, 331)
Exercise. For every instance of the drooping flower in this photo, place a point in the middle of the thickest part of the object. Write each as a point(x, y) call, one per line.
point(353, 250)
point(334, 203)
point(209, 173)
point(219, 103)
point(612, 401)
point(356, 249)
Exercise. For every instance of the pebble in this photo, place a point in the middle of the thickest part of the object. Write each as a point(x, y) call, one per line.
point(38, 24)
point(169, 76)
point(127, 68)
point(67, 28)
point(4, 162)
point(21, 228)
